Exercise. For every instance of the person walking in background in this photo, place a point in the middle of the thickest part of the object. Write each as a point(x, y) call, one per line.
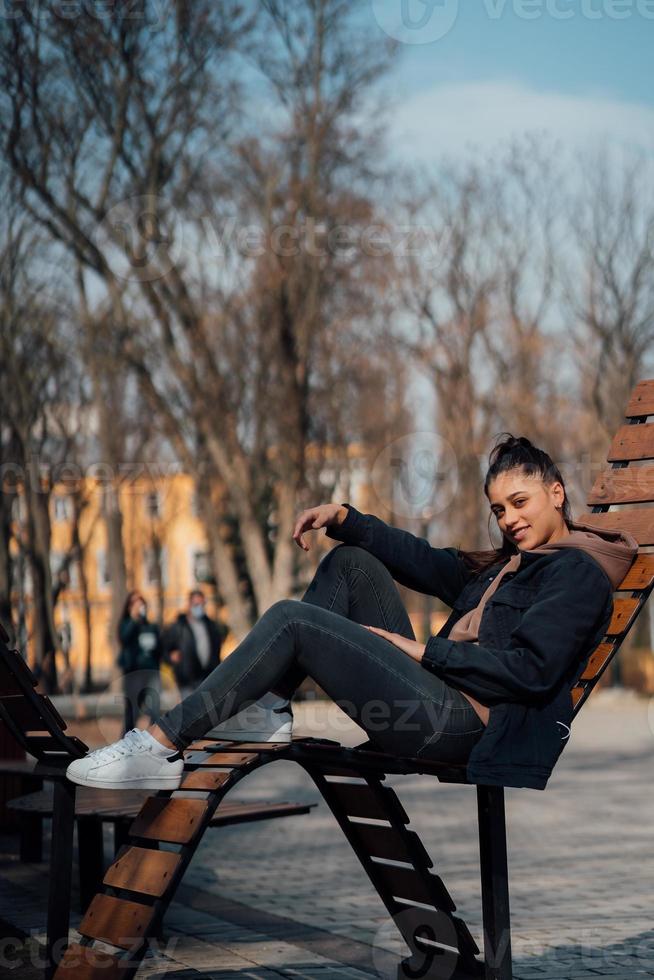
point(139, 659)
point(192, 643)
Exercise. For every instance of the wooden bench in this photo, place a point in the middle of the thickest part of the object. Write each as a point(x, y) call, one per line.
point(37, 726)
point(141, 882)
point(96, 807)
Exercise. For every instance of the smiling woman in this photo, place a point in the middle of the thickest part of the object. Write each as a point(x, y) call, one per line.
point(491, 690)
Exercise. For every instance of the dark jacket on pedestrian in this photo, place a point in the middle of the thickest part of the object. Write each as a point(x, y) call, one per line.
point(140, 645)
point(190, 671)
point(535, 635)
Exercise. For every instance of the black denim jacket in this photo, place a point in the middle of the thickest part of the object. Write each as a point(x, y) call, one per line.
point(536, 634)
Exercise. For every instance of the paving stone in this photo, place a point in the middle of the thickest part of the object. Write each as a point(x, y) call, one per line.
point(579, 862)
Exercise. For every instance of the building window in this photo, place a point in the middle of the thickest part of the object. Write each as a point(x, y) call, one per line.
point(152, 504)
point(201, 570)
point(104, 576)
point(155, 565)
point(62, 508)
point(73, 575)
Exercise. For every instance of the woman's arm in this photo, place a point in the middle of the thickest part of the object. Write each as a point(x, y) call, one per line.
point(412, 561)
point(553, 633)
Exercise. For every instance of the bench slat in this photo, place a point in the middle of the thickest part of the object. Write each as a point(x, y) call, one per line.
point(89, 963)
point(624, 611)
point(641, 401)
point(409, 884)
point(632, 442)
point(24, 713)
point(360, 800)
point(640, 523)
point(232, 759)
point(17, 666)
point(640, 575)
point(142, 870)
point(175, 821)
point(205, 780)
point(597, 660)
point(628, 485)
point(9, 683)
point(385, 842)
point(118, 921)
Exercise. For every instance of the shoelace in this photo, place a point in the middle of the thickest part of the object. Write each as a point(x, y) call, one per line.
point(132, 740)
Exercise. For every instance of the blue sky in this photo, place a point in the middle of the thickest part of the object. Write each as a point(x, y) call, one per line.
point(494, 73)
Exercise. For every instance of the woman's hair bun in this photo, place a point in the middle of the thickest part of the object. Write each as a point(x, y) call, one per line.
point(509, 444)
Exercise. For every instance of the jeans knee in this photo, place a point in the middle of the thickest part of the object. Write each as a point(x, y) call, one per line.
point(285, 609)
point(352, 554)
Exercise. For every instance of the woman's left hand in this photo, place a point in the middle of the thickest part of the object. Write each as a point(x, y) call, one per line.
point(414, 649)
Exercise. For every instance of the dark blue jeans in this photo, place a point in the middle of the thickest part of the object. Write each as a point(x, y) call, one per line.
point(403, 708)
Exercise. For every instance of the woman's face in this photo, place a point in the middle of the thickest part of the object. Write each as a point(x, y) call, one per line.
point(528, 511)
point(137, 605)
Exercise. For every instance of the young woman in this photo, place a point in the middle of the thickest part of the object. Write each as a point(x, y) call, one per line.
point(139, 658)
point(491, 690)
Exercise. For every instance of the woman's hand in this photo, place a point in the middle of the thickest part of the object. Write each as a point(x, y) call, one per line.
point(412, 648)
point(317, 517)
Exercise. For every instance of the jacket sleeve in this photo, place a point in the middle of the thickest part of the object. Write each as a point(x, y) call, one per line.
point(412, 561)
point(574, 600)
point(169, 641)
point(128, 630)
point(158, 650)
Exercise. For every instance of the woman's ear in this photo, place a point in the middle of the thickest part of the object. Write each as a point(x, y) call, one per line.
point(557, 493)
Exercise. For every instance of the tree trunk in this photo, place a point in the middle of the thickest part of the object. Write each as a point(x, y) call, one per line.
point(115, 556)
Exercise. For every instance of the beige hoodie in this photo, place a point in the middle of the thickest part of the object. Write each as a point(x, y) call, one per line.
point(613, 550)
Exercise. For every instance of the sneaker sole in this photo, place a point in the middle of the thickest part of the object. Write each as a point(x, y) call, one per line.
point(163, 783)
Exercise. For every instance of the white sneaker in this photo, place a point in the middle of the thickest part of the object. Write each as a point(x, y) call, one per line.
point(137, 761)
point(268, 720)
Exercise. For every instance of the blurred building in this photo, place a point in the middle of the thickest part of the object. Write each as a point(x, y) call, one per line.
point(166, 555)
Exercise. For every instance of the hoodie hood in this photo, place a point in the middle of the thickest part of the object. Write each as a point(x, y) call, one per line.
point(613, 550)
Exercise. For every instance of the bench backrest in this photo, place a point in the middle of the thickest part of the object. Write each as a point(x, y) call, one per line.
point(31, 718)
point(626, 482)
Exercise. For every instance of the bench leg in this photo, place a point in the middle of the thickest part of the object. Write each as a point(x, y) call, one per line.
point(61, 859)
point(31, 825)
point(121, 834)
point(31, 837)
point(494, 882)
point(90, 851)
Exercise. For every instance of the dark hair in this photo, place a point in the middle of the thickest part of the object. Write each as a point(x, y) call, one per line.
point(515, 452)
point(196, 592)
point(128, 602)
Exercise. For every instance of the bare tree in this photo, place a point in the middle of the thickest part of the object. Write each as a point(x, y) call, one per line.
point(37, 377)
point(611, 287)
point(447, 284)
point(113, 134)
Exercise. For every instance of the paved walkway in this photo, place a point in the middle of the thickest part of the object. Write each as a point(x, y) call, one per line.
point(285, 899)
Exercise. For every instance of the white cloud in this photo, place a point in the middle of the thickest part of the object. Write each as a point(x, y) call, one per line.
point(453, 118)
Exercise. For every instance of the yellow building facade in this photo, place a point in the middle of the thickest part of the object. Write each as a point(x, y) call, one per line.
point(166, 555)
